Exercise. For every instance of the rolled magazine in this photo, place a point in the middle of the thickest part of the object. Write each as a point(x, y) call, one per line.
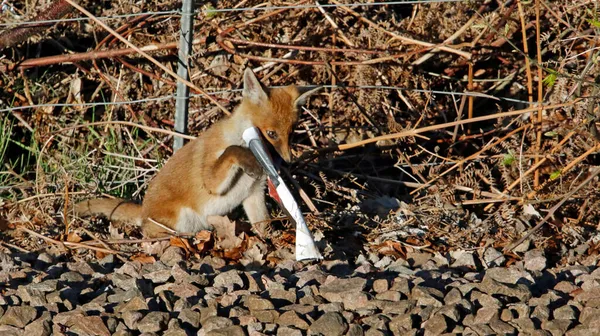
point(305, 245)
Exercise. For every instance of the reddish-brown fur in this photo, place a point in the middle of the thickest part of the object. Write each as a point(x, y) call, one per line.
point(214, 173)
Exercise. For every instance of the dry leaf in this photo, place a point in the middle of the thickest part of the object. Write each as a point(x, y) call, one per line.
point(224, 232)
point(155, 248)
point(143, 258)
point(219, 65)
point(73, 237)
point(204, 241)
point(182, 243)
point(253, 256)
point(114, 232)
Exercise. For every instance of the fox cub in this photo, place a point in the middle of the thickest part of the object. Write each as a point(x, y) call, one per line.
point(216, 172)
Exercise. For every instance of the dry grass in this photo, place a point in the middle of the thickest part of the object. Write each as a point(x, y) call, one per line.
point(467, 185)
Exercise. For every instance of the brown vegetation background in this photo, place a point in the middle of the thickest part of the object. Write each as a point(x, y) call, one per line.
point(443, 125)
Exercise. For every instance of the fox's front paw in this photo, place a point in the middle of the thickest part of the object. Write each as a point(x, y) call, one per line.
point(254, 170)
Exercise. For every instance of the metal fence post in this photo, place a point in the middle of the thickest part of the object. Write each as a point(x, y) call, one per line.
point(186, 37)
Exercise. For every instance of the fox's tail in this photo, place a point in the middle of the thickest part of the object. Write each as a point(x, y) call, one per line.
point(112, 208)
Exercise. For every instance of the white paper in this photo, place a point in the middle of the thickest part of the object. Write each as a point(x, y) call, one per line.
point(305, 245)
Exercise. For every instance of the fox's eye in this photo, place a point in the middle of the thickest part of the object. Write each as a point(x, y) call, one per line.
point(272, 135)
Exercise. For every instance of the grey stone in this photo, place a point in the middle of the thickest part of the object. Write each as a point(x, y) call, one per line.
point(174, 329)
point(238, 312)
point(535, 260)
point(45, 286)
point(485, 300)
point(300, 309)
point(209, 310)
point(565, 287)
point(215, 323)
point(590, 298)
point(375, 332)
point(39, 327)
point(581, 330)
point(124, 281)
point(89, 325)
point(509, 275)
point(502, 328)
point(588, 314)
point(566, 312)
point(493, 258)
point(18, 316)
point(556, 327)
point(158, 276)
point(288, 331)
point(135, 304)
point(400, 324)
point(390, 295)
point(524, 325)
point(541, 313)
point(71, 277)
point(234, 330)
point(377, 321)
point(545, 299)
point(355, 300)
point(265, 316)
point(153, 322)
point(190, 316)
point(436, 325)
point(341, 286)
point(399, 266)
point(291, 318)
point(330, 324)
point(492, 287)
point(172, 256)
point(270, 328)
point(486, 314)
point(131, 318)
point(482, 329)
point(418, 259)
point(355, 330)
point(453, 296)
point(381, 285)
point(6, 330)
point(401, 285)
point(450, 311)
point(331, 307)
point(257, 303)
point(230, 279)
point(426, 296)
point(520, 309)
point(284, 297)
point(463, 259)
point(310, 277)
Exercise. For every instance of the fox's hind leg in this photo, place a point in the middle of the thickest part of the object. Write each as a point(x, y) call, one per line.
point(256, 209)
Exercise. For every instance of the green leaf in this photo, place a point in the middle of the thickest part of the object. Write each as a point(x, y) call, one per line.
point(550, 79)
point(209, 11)
point(594, 23)
point(555, 175)
point(509, 159)
point(551, 134)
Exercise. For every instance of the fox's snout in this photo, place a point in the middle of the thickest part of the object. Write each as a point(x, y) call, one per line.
point(286, 154)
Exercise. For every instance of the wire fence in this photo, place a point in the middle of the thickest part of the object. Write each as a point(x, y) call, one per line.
point(212, 11)
point(217, 91)
point(223, 91)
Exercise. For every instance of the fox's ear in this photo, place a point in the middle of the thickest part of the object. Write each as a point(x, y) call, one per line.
point(304, 94)
point(253, 89)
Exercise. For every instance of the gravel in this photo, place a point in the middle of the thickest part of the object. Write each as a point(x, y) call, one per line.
point(467, 294)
